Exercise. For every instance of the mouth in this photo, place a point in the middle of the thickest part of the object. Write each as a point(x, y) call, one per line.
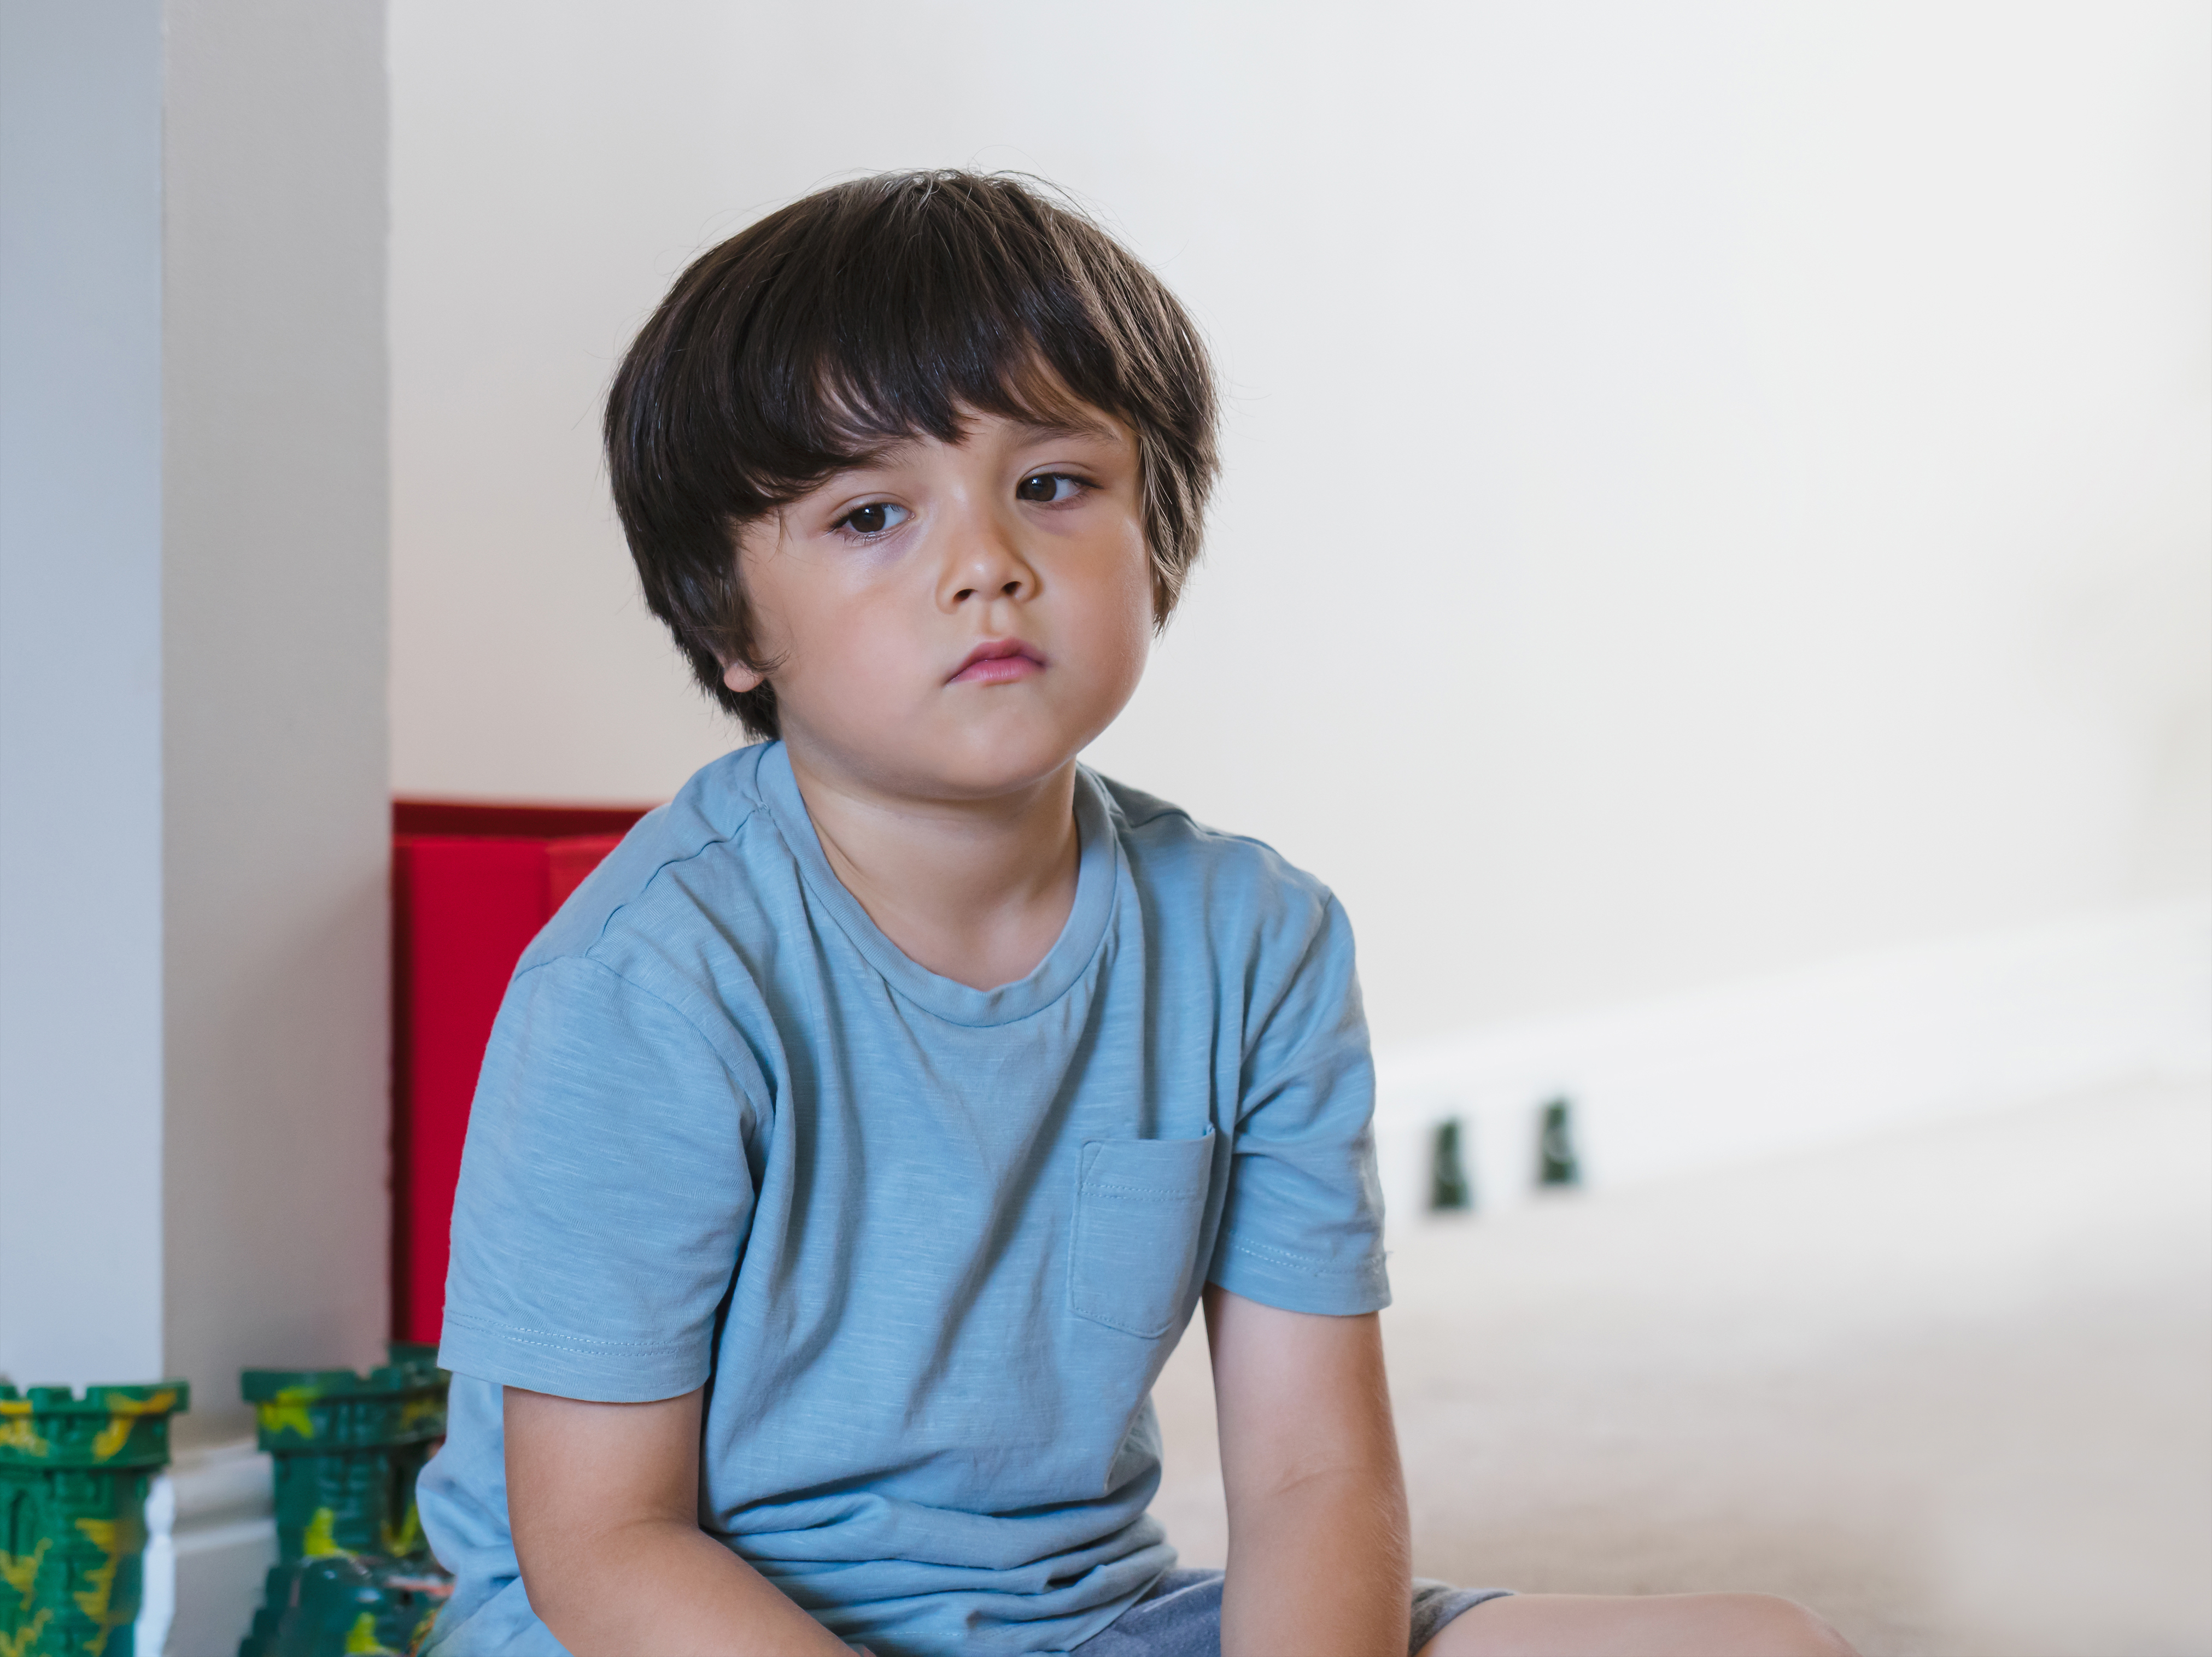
point(998, 661)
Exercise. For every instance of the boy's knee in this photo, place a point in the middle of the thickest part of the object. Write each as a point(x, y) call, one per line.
point(1768, 1623)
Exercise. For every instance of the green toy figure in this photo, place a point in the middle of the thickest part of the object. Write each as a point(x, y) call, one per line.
point(1557, 1165)
point(1449, 1188)
point(354, 1576)
point(74, 1474)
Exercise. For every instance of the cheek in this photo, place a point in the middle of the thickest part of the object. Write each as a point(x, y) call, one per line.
point(855, 647)
point(1128, 623)
point(1132, 634)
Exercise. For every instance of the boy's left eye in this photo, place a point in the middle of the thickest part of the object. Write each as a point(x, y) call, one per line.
point(873, 519)
point(1046, 487)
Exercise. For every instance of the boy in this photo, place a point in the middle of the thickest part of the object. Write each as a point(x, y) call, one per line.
point(856, 1145)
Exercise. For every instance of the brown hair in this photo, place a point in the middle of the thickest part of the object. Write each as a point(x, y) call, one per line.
point(873, 311)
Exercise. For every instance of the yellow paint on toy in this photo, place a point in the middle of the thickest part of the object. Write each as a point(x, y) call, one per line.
point(416, 1410)
point(20, 1570)
point(121, 1412)
point(14, 1407)
point(362, 1640)
point(288, 1411)
point(17, 1433)
point(407, 1537)
point(94, 1601)
point(320, 1540)
point(25, 1640)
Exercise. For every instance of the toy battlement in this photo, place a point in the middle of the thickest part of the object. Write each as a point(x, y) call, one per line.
point(108, 1427)
point(307, 1410)
point(410, 1368)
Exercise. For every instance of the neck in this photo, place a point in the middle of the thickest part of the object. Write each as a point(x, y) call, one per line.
point(976, 891)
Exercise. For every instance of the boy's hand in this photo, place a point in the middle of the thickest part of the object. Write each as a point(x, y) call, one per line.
point(604, 1502)
point(1317, 1550)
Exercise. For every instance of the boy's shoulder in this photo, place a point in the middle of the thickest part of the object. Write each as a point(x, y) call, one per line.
point(1192, 868)
point(668, 874)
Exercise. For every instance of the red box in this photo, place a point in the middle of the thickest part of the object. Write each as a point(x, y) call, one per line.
point(471, 886)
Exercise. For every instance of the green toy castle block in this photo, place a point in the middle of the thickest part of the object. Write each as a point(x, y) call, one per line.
point(353, 1575)
point(347, 1448)
point(73, 1478)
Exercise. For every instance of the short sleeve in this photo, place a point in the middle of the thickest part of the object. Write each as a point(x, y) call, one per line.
point(1303, 1227)
point(605, 1194)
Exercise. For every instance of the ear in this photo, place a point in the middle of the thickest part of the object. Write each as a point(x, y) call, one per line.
point(741, 679)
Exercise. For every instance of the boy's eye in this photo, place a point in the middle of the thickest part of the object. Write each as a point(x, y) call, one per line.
point(873, 519)
point(1048, 487)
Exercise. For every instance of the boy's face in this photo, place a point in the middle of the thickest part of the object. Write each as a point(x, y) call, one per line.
point(956, 621)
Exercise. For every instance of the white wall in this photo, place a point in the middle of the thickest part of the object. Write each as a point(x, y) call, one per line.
point(1711, 487)
point(80, 675)
point(276, 814)
point(194, 817)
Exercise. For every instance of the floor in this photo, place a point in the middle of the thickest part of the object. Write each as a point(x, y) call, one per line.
point(1953, 1388)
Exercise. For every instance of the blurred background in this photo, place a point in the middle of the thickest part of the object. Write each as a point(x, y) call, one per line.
point(1709, 488)
point(1714, 567)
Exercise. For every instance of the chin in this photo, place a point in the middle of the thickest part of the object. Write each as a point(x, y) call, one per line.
point(987, 763)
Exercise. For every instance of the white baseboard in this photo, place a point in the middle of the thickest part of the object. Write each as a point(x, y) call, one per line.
point(212, 1537)
point(1812, 1057)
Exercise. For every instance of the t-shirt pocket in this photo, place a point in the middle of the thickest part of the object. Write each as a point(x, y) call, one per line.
point(1138, 1205)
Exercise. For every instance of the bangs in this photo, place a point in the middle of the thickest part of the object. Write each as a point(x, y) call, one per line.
point(859, 410)
point(921, 318)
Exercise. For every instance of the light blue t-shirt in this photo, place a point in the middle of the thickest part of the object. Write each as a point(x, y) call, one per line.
point(928, 1245)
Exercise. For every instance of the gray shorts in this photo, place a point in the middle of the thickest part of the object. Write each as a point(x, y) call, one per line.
point(1181, 1617)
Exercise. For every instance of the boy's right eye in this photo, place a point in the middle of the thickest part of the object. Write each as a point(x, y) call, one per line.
point(873, 519)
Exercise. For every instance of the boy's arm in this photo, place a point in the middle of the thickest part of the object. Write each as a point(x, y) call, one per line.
point(604, 1502)
point(1317, 1549)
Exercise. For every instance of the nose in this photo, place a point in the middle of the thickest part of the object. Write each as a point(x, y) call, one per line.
point(986, 566)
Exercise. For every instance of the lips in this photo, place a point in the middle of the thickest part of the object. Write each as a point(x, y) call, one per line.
point(998, 661)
